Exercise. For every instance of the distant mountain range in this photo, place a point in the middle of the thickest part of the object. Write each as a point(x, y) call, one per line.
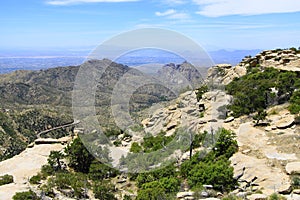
point(35, 61)
point(54, 86)
point(231, 57)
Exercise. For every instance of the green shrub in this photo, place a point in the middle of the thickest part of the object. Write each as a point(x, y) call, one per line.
point(79, 157)
point(99, 171)
point(35, 179)
point(296, 182)
point(218, 173)
point(126, 197)
point(112, 132)
point(47, 170)
point(213, 167)
point(201, 115)
point(117, 143)
point(203, 89)
point(135, 148)
point(294, 107)
point(276, 196)
point(137, 128)
point(226, 144)
point(230, 197)
point(6, 179)
point(48, 187)
point(252, 92)
point(29, 195)
point(103, 191)
point(154, 143)
point(77, 182)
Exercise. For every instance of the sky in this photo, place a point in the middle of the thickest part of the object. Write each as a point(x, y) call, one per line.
point(214, 24)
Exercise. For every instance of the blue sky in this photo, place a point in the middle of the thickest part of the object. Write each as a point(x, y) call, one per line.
point(215, 24)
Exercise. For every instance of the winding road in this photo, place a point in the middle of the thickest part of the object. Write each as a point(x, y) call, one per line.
point(58, 127)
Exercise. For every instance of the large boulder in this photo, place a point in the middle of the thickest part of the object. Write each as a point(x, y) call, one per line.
point(293, 168)
point(285, 122)
point(296, 191)
point(229, 119)
point(182, 195)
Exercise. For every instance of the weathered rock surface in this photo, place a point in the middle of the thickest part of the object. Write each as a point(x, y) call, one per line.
point(293, 168)
point(292, 197)
point(296, 191)
point(24, 166)
point(285, 122)
point(225, 73)
point(257, 197)
point(229, 119)
point(253, 142)
point(183, 195)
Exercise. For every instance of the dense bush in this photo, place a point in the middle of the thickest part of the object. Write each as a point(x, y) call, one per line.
point(104, 191)
point(54, 160)
point(79, 157)
point(296, 182)
point(6, 179)
point(154, 143)
point(47, 170)
point(252, 92)
point(226, 144)
point(157, 184)
point(29, 195)
point(276, 196)
point(213, 167)
point(99, 171)
point(217, 173)
point(153, 194)
point(201, 91)
point(9, 138)
point(87, 172)
point(167, 172)
point(136, 148)
point(35, 179)
point(151, 143)
point(294, 107)
point(77, 182)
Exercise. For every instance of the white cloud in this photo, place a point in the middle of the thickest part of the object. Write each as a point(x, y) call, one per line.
point(217, 8)
point(70, 2)
point(174, 2)
point(173, 14)
point(166, 13)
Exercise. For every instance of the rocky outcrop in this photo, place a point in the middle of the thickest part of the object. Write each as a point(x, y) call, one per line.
point(23, 166)
point(225, 73)
point(185, 112)
point(181, 74)
point(181, 112)
point(288, 60)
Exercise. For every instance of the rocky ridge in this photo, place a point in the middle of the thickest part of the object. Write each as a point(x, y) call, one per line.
point(269, 154)
point(288, 59)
